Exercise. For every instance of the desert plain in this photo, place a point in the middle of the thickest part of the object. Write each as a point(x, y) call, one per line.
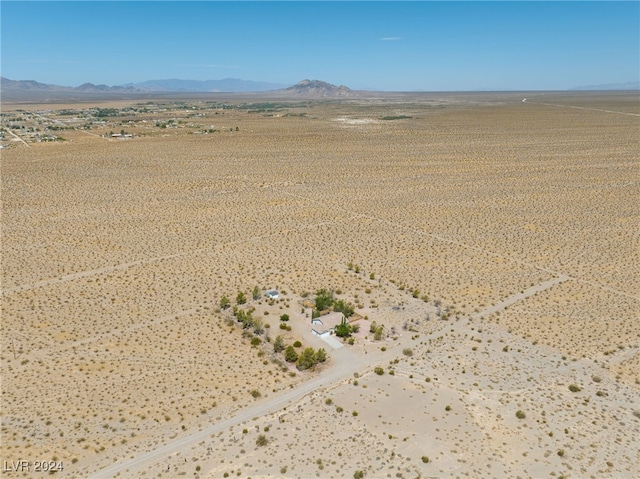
point(492, 241)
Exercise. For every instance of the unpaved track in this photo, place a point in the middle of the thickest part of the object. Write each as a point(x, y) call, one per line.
point(520, 296)
point(124, 266)
point(344, 362)
point(584, 108)
point(18, 138)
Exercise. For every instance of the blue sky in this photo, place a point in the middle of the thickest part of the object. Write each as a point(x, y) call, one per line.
point(393, 46)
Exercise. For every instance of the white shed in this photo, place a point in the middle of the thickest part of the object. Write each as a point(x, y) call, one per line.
point(272, 294)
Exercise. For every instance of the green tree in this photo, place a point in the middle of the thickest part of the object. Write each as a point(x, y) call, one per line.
point(241, 298)
point(324, 299)
point(343, 330)
point(307, 359)
point(224, 303)
point(284, 317)
point(258, 326)
point(377, 335)
point(255, 293)
point(278, 344)
point(290, 354)
point(344, 307)
point(245, 318)
point(321, 355)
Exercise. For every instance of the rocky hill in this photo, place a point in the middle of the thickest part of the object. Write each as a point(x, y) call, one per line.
point(319, 89)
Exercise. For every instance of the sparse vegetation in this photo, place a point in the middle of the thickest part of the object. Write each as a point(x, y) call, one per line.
point(137, 249)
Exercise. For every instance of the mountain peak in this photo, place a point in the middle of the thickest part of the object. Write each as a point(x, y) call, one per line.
point(319, 88)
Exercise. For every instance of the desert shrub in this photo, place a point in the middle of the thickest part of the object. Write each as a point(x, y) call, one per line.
point(284, 317)
point(255, 341)
point(359, 474)
point(255, 393)
point(407, 352)
point(297, 344)
point(447, 408)
point(285, 327)
point(379, 371)
point(425, 459)
point(574, 388)
point(262, 440)
point(561, 452)
point(520, 414)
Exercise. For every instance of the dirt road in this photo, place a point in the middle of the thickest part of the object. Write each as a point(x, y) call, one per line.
point(344, 364)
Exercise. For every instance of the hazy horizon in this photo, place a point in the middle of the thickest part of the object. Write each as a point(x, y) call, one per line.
point(382, 46)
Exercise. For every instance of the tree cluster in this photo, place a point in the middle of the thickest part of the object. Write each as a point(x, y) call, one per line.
point(325, 300)
point(344, 329)
point(307, 359)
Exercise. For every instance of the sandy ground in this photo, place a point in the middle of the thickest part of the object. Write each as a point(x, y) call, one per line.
point(516, 222)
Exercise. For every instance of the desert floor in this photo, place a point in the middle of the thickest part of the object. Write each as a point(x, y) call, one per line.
point(495, 240)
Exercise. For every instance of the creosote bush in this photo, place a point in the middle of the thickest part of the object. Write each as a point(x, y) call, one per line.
point(262, 440)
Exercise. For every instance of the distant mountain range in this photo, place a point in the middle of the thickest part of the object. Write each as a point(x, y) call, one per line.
point(227, 85)
point(632, 85)
point(29, 89)
point(25, 89)
point(26, 85)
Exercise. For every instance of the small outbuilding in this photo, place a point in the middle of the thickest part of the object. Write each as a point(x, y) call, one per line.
point(272, 294)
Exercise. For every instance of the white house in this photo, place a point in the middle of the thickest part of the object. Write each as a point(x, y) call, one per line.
point(324, 325)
